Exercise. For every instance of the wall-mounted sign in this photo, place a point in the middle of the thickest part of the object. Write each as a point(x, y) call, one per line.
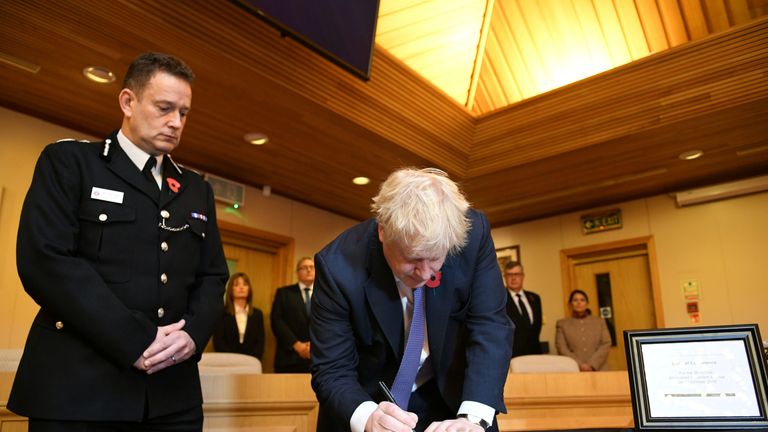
point(598, 222)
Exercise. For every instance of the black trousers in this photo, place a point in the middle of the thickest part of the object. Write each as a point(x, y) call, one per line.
point(184, 421)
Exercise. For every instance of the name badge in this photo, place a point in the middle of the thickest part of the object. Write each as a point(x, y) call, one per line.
point(107, 195)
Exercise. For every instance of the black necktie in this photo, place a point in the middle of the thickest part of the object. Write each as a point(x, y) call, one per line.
point(147, 171)
point(523, 309)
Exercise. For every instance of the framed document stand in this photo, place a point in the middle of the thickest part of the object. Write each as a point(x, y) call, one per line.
point(698, 379)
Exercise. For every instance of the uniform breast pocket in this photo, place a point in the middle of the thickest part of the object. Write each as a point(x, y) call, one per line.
point(106, 238)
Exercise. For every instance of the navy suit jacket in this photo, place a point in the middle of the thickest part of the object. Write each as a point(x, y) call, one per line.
point(93, 260)
point(357, 324)
point(526, 333)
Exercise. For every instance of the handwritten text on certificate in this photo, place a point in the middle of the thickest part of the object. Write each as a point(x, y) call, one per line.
point(699, 379)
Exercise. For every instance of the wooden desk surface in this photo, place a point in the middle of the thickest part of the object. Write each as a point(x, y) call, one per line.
point(286, 403)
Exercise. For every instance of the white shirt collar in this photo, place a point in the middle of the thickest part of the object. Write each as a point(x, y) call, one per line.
point(138, 156)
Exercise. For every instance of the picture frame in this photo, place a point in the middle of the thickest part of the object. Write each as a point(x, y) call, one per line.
point(698, 378)
point(507, 254)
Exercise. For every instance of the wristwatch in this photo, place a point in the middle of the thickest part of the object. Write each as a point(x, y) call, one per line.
point(475, 420)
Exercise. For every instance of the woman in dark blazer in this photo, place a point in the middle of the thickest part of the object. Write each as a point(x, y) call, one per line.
point(241, 328)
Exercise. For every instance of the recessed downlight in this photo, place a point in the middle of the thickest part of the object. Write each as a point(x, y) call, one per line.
point(691, 155)
point(361, 180)
point(99, 74)
point(256, 138)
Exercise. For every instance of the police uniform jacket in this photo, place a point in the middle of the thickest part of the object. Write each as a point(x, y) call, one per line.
point(109, 258)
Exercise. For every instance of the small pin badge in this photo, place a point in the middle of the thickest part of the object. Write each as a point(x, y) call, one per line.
point(173, 184)
point(200, 216)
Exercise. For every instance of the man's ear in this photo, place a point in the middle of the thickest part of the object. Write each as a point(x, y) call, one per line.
point(126, 98)
point(381, 234)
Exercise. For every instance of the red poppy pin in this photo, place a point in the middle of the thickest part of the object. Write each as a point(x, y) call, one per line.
point(173, 184)
point(434, 281)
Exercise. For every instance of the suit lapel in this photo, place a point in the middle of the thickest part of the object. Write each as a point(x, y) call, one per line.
point(383, 297)
point(123, 167)
point(438, 304)
point(299, 295)
point(173, 183)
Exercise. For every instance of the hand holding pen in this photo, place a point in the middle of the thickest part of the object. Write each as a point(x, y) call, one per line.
point(389, 417)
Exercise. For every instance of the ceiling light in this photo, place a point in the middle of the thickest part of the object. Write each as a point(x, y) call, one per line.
point(99, 74)
point(691, 155)
point(361, 180)
point(256, 138)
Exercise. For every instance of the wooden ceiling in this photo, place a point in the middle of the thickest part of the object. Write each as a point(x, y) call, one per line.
point(488, 54)
point(605, 139)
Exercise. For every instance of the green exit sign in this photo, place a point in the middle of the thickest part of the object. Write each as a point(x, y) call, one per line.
point(598, 222)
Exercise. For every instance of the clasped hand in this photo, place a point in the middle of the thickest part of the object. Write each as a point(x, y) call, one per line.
point(171, 345)
point(389, 417)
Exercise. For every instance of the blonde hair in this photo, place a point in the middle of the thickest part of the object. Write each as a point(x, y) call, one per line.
point(423, 211)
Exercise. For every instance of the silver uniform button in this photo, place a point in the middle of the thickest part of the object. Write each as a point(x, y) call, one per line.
point(164, 247)
point(59, 325)
point(203, 234)
point(103, 217)
point(164, 214)
point(160, 313)
point(164, 278)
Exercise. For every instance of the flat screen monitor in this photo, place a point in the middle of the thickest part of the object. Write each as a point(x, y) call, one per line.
point(698, 378)
point(341, 30)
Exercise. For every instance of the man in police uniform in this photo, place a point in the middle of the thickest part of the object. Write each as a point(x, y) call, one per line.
point(127, 267)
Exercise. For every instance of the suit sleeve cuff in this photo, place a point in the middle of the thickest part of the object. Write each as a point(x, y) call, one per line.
point(477, 409)
point(360, 416)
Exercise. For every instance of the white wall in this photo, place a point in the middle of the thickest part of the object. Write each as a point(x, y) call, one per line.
point(721, 244)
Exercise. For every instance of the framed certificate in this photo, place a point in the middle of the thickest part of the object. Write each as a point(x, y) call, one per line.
point(698, 378)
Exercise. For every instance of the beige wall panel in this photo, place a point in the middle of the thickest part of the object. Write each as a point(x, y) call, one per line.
point(720, 244)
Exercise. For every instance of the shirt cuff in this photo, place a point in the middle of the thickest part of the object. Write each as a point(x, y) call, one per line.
point(477, 409)
point(361, 414)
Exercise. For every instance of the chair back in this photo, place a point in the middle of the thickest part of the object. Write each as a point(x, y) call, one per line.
point(212, 363)
point(543, 363)
point(9, 359)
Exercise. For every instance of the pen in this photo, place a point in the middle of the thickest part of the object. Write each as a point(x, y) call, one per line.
point(387, 393)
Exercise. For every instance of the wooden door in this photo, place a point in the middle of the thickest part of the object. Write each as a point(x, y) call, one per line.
point(627, 271)
point(258, 266)
point(267, 259)
point(619, 290)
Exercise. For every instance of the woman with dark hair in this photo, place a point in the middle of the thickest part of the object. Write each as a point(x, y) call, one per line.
point(241, 328)
point(583, 337)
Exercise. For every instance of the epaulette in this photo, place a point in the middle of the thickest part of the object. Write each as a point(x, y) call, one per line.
point(107, 150)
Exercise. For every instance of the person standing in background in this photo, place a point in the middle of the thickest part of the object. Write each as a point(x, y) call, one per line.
point(524, 309)
point(241, 328)
point(583, 337)
point(119, 246)
point(290, 320)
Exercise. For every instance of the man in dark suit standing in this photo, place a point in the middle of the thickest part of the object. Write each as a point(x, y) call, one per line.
point(290, 320)
point(524, 308)
point(127, 267)
point(412, 299)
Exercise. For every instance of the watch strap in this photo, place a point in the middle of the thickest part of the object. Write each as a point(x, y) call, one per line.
point(475, 420)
